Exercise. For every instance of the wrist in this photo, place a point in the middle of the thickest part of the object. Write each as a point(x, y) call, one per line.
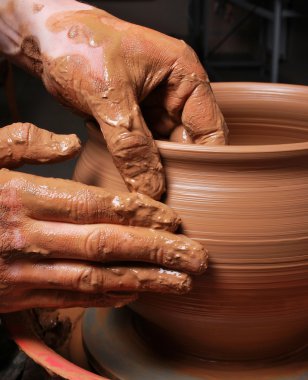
point(20, 19)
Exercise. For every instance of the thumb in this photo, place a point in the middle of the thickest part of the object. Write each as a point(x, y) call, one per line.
point(131, 144)
point(22, 143)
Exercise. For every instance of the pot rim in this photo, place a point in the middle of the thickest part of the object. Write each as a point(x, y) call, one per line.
point(235, 152)
point(172, 150)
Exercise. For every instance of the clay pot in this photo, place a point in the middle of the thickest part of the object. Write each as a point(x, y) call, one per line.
point(248, 204)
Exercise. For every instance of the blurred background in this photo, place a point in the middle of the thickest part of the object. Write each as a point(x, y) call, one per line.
point(236, 40)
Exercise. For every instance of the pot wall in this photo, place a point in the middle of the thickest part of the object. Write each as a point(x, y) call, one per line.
point(248, 205)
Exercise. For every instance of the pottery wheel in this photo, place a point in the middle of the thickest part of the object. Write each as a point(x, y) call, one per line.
point(115, 348)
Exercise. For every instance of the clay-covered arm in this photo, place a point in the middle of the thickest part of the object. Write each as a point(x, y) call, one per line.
point(131, 79)
point(20, 19)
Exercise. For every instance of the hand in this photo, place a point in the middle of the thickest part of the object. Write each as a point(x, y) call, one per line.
point(120, 68)
point(129, 78)
point(65, 244)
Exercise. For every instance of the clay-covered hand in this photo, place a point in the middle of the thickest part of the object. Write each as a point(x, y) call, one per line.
point(129, 78)
point(65, 244)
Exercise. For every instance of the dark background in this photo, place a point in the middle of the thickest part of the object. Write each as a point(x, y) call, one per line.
point(233, 42)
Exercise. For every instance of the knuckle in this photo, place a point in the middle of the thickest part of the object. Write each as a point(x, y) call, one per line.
point(11, 183)
point(11, 235)
point(185, 51)
point(191, 55)
point(12, 242)
point(83, 205)
point(188, 49)
point(129, 145)
point(97, 245)
point(19, 138)
point(21, 133)
point(91, 244)
point(8, 197)
point(188, 66)
point(90, 278)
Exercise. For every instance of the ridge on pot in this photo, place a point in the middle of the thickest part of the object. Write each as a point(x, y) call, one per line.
point(247, 203)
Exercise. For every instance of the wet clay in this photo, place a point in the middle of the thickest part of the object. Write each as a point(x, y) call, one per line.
point(129, 146)
point(117, 73)
point(247, 204)
point(57, 233)
point(31, 55)
point(84, 27)
point(25, 143)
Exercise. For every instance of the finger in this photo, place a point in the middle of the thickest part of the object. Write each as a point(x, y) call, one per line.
point(25, 143)
point(180, 135)
point(108, 243)
point(85, 278)
point(131, 144)
point(68, 201)
point(202, 117)
point(189, 100)
point(65, 299)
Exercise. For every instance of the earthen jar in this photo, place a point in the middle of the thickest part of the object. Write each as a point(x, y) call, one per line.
point(248, 204)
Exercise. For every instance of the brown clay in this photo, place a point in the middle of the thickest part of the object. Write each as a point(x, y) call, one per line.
point(247, 203)
point(25, 143)
point(30, 55)
point(83, 27)
point(57, 235)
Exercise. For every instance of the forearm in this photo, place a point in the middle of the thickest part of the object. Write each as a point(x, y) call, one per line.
point(21, 20)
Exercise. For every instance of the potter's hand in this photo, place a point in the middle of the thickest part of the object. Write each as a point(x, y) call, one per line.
point(55, 234)
point(120, 74)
